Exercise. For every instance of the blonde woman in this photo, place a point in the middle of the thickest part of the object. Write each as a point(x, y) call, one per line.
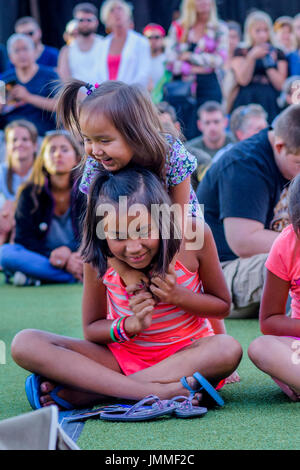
point(21, 146)
point(260, 68)
point(126, 54)
point(197, 47)
point(48, 218)
point(294, 57)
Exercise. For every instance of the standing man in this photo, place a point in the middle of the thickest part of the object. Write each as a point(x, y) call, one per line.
point(156, 34)
point(45, 55)
point(79, 60)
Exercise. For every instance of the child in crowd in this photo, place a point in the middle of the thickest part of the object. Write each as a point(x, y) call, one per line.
point(135, 346)
point(120, 125)
point(277, 353)
point(127, 128)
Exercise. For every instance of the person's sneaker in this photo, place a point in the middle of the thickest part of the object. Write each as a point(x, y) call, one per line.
point(20, 279)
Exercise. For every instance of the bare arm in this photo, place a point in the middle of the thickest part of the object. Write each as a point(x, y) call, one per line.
point(243, 68)
point(248, 237)
point(180, 194)
point(22, 94)
point(273, 320)
point(278, 76)
point(95, 326)
point(63, 68)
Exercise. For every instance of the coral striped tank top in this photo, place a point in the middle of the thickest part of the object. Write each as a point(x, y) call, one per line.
point(170, 324)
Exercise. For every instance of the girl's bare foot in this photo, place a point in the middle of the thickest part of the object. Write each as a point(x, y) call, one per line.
point(74, 397)
point(233, 378)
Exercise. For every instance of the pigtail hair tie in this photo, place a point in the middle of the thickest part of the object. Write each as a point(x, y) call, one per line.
point(90, 87)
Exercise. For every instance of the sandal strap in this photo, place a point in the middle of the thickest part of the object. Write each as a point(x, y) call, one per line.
point(138, 406)
point(60, 401)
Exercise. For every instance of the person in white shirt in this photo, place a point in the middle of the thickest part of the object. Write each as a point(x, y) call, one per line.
point(80, 59)
point(155, 34)
point(125, 54)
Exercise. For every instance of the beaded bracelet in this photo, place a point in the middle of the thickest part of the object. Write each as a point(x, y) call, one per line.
point(114, 333)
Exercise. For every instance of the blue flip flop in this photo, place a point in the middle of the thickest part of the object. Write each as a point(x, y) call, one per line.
point(183, 408)
point(33, 393)
point(139, 412)
point(204, 385)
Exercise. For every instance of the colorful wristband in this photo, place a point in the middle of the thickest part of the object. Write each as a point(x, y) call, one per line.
point(121, 329)
point(114, 333)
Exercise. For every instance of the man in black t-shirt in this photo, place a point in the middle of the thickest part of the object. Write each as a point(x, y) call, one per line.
point(243, 195)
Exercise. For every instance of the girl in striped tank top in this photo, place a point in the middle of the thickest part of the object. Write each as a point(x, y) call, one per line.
point(138, 341)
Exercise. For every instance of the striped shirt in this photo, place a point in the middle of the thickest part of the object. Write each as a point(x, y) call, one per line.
point(170, 324)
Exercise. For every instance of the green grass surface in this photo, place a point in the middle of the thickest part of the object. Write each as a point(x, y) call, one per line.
point(257, 414)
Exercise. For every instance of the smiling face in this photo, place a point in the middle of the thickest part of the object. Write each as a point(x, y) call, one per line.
point(104, 143)
point(131, 240)
point(59, 156)
point(19, 145)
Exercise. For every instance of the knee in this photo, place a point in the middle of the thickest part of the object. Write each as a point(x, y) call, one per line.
point(230, 350)
point(7, 255)
point(21, 345)
point(257, 349)
point(4, 255)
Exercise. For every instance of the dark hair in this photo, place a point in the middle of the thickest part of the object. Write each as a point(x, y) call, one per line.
point(287, 127)
point(294, 204)
point(141, 186)
point(85, 7)
point(26, 20)
point(165, 107)
point(233, 25)
point(129, 108)
point(210, 107)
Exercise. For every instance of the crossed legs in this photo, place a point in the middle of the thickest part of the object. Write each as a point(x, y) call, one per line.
point(89, 371)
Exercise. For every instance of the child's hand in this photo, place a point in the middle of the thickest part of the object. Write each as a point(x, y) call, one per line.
point(165, 289)
point(141, 305)
point(132, 276)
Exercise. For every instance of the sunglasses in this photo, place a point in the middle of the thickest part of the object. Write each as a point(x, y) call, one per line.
point(155, 37)
point(85, 20)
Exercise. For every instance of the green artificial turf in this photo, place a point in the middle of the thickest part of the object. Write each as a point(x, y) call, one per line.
point(257, 415)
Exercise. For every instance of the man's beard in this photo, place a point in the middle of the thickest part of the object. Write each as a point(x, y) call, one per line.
point(86, 34)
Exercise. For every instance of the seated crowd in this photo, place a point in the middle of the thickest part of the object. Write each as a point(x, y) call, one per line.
point(229, 107)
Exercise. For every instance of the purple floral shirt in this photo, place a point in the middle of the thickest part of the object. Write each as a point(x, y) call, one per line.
point(179, 165)
point(210, 52)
